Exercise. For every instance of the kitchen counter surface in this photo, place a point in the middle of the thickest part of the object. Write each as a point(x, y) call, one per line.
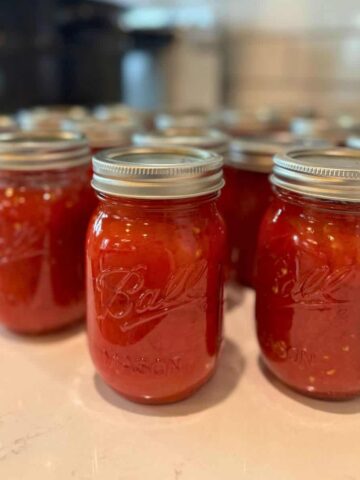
point(58, 420)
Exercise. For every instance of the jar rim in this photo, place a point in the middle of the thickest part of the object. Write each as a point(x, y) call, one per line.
point(42, 150)
point(157, 172)
point(332, 174)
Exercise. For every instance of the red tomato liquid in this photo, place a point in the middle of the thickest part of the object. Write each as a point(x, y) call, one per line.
point(155, 281)
point(43, 221)
point(308, 302)
point(243, 202)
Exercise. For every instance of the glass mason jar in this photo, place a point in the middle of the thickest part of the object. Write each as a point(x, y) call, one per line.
point(44, 212)
point(308, 273)
point(155, 271)
point(247, 194)
point(103, 133)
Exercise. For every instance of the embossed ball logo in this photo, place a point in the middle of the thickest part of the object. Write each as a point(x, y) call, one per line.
point(126, 299)
point(20, 241)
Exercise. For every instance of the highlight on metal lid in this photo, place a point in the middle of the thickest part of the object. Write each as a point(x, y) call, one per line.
point(208, 139)
point(103, 133)
point(157, 172)
point(327, 174)
point(255, 152)
point(42, 150)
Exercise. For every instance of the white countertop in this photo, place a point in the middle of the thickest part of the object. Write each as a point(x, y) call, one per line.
point(58, 420)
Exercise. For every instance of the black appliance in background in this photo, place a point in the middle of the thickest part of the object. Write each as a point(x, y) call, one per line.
point(64, 52)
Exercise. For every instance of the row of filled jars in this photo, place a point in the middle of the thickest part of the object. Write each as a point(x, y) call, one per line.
point(156, 253)
point(113, 123)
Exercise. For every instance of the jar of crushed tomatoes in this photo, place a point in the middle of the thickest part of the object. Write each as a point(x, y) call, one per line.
point(308, 273)
point(44, 212)
point(247, 194)
point(155, 252)
point(103, 133)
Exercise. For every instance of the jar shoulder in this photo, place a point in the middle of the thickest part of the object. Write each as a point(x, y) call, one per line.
point(173, 231)
point(308, 238)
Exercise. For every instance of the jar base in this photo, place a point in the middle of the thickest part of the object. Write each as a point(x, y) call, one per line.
point(316, 395)
point(178, 397)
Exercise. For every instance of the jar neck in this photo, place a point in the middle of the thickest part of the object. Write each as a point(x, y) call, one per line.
point(156, 205)
point(321, 204)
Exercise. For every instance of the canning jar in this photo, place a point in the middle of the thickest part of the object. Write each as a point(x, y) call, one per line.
point(247, 194)
point(308, 273)
point(155, 271)
point(44, 211)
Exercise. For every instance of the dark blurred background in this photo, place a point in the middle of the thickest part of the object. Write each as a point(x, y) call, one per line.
point(67, 52)
point(180, 54)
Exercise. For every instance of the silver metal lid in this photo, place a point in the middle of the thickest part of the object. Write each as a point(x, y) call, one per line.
point(256, 152)
point(186, 119)
point(206, 139)
point(258, 119)
point(117, 111)
point(103, 133)
point(42, 150)
point(157, 172)
point(7, 124)
point(50, 117)
point(310, 126)
point(328, 174)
